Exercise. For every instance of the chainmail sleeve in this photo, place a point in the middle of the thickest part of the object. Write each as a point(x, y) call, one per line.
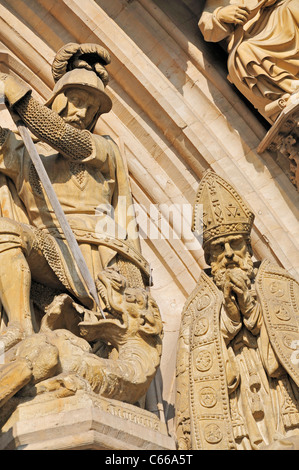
point(49, 127)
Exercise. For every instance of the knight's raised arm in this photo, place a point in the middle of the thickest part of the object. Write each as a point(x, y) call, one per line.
point(46, 124)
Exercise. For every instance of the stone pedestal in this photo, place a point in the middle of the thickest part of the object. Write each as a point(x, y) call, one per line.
point(83, 421)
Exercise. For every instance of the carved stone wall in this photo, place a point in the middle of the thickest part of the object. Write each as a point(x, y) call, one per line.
point(174, 115)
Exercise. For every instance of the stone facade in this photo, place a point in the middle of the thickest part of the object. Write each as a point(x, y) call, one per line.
point(174, 116)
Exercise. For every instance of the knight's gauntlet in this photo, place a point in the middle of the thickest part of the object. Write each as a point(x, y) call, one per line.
point(14, 89)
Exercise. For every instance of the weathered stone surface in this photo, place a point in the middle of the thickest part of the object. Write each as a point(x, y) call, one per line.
point(83, 421)
point(174, 115)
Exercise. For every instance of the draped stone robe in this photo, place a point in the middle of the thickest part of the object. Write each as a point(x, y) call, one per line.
point(94, 194)
point(263, 60)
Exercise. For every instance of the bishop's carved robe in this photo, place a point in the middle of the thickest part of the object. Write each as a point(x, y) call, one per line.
point(237, 382)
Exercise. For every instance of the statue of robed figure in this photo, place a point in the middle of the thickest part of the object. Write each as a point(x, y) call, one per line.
point(237, 364)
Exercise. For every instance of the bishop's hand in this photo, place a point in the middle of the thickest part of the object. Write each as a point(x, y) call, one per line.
point(230, 301)
point(240, 289)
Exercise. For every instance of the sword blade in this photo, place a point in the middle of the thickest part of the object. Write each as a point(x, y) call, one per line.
point(63, 222)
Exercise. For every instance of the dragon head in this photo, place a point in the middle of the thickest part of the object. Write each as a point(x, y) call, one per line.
point(130, 312)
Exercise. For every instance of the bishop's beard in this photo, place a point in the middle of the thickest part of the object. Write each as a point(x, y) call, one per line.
point(219, 270)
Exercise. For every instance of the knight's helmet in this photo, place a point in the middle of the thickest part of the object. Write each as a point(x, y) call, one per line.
point(81, 66)
point(219, 210)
